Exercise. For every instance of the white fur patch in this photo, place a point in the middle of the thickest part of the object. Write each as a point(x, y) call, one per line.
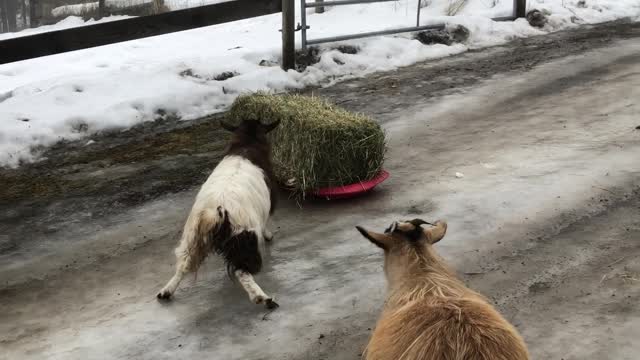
point(239, 187)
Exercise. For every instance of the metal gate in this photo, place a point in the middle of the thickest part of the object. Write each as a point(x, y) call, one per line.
point(518, 11)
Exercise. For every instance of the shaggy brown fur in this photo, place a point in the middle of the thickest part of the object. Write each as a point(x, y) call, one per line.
point(430, 314)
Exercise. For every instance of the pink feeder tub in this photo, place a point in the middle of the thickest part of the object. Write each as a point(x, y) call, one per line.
point(353, 190)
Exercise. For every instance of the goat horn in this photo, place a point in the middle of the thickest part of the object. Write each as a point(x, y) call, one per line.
point(272, 126)
point(419, 222)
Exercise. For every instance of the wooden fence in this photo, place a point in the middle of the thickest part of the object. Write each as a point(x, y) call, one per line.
point(60, 41)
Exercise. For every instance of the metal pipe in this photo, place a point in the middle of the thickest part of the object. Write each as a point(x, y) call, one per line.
point(342, 2)
point(374, 33)
point(418, 17)
point(303, 24)
point(387, 32)
point(519, 8)
point(504, 18)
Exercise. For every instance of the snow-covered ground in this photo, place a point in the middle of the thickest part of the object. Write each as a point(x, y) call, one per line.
point(70, 95)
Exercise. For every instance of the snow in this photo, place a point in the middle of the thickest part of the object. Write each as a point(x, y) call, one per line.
point(75, 9)
point(71, 95)
point(184, 4)
point(79, 9)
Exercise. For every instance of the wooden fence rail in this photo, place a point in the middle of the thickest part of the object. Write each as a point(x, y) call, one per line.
point(60, 41)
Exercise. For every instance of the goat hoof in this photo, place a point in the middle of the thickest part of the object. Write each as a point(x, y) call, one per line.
point(164, 295)
point(271, 304)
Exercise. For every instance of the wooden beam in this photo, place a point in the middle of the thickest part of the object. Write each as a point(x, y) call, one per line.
point(56, 42)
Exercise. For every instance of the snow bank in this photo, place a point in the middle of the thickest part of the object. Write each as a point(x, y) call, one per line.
point(70, 95)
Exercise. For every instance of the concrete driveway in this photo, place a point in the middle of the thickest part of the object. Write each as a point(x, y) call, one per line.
point(545, 222)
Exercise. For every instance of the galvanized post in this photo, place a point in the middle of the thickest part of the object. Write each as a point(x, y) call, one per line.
point(319, 9)
point(303, 21)
point(519, 8)
point(418, 17)
point(288, 34)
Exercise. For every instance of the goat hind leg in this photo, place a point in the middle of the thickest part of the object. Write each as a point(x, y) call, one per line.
point(184, 264)
point(168, 290)
point(256, 295)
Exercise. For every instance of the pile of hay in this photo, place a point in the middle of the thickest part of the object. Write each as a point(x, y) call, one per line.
point(317, 144)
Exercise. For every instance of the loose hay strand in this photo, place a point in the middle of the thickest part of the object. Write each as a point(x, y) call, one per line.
point(317, 144)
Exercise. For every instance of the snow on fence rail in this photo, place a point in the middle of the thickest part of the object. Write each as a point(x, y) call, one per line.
point(81, 9)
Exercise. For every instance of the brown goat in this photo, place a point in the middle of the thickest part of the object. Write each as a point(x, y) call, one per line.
point(430, 314)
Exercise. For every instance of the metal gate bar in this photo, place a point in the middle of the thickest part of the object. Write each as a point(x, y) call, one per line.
point(518, 4)
point(387, 32)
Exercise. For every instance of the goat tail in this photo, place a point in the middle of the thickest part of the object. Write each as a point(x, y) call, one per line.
point(201, 235)
point(212, 224)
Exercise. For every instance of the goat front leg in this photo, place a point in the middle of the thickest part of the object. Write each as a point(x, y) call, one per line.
point(267, 235)
point(256, 295)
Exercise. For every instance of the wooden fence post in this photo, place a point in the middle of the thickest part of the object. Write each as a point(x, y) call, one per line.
point(288, 34)
point(33, 13)
point(320, 9)
point(11, 15)
point(101, 9)
point(520, 8)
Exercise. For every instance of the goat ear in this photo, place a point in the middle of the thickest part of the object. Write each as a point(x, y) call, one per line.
point(381, 240)
point(228, 126)
point(436, 233)
point(270, 127)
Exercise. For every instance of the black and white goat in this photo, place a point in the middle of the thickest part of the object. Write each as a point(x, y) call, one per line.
point(231, 211)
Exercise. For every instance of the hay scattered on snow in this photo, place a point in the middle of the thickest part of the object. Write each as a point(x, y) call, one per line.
point(317, 144)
